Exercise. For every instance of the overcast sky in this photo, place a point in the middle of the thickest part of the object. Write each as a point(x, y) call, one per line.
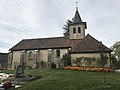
point(26, 19)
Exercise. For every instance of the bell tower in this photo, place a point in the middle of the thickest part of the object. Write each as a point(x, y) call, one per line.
point(77, 27)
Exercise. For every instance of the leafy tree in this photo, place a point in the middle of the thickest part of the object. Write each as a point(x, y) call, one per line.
point(115, 57)
point(114, 62)
point(116, 50)
point(103, 60)
point(66, 28)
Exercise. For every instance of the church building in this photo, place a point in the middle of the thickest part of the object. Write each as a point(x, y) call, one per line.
point(77, 45)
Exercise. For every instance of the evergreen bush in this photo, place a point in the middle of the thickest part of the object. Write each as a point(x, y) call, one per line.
point(53, 65)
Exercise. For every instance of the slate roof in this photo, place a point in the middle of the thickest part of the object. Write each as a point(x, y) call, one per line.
point(77, 18)
point(88, 44)
point(44, 43)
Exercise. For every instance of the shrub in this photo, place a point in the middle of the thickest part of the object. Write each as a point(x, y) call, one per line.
point(66, 60)
point(42, 64)
point(53, 65)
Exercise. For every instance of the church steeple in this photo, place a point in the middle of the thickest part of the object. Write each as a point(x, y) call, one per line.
point(77, 27)
point(77, 18)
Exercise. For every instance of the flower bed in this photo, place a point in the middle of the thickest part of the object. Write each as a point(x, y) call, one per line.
point(96, 69)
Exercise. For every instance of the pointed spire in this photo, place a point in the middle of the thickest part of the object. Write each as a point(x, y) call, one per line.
point(77, 18)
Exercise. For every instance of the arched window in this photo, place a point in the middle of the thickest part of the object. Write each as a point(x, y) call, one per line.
point(79, 30)
point(57, 53)
point(74, 30)
point(30, 55)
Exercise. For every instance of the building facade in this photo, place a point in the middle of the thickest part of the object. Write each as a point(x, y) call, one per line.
point(77, 44)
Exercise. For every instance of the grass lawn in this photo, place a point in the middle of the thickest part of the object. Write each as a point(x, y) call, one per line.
point(59, 79)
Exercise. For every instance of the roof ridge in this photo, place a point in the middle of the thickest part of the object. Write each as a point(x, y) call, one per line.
point(88, 35)
point(44, 38)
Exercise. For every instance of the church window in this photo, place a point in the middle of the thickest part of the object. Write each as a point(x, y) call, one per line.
point(30, 55)
point(57, 53)
point(79, 30)
point(74, 30)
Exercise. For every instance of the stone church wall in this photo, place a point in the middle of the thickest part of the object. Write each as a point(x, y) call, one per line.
point(15, 59)
point(91, 55)
point(77, 35)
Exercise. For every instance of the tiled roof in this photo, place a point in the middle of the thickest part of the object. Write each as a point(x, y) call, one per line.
point(44, 43)
point(90, 44)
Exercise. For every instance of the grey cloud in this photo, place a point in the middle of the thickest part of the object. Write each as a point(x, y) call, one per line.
point(43, 18)
point(4, 44)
